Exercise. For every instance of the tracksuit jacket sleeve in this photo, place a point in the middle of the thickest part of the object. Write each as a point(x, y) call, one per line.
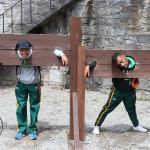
point(92, 64)
point(58, 53)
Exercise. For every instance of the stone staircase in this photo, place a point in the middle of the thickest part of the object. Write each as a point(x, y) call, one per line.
point(25, 15)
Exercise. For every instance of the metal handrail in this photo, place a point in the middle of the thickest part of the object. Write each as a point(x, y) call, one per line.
point(1, 125)
point(7, 10)
point(21, 13)
point(12, 20)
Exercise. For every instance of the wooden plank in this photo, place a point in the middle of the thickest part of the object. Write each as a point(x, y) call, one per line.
point(104, 63)
point(81, 89)
point(39, 58)
point(104, 56)
point(39, 41)
point(75, 120)
point(78, 145)
point(43, 47)
point(75, 40)
point(106, 71)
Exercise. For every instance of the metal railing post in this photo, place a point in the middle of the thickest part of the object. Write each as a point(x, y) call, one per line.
point(21, 14)
point(12, 19)
point(3, 23)
point(50, 5)
point(31, 11)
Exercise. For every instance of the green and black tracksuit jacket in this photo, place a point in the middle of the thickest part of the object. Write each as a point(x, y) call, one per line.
point(121, 91)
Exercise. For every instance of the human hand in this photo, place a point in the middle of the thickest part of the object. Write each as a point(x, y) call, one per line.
point(64, 60)
point(87, 71)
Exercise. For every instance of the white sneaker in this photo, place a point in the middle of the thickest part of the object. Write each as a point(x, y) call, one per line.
point(96, 130)
point(139, 128)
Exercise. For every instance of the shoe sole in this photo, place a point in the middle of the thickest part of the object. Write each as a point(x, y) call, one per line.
point(139, 131)
point(33, 138)
point(19, 138)
point(96, 133)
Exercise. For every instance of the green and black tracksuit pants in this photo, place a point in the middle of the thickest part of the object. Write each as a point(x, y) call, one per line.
point(23, 91)
point(115, 98)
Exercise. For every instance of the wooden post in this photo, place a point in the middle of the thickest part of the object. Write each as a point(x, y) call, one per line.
point(77, 144)
point(78, 125)
point(75, 40)
point(75, 118)
point(81, 90)
point(79, 98)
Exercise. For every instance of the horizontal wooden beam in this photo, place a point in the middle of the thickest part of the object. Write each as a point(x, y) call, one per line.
point(39, 41)
point(43, 48)
point(104, 63)
point(39, 58)
point(140, 71)
point(104, 56)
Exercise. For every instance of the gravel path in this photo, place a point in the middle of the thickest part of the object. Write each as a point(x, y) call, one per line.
point(116, 132)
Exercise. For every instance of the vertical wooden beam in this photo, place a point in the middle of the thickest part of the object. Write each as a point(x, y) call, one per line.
point(75, 40)
point(78, 145)
point(81, 90)
point(76, 121)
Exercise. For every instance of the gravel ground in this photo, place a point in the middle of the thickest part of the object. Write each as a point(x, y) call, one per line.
point(116, 131)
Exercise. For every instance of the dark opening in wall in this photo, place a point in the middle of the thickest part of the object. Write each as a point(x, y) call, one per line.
point(37, 30)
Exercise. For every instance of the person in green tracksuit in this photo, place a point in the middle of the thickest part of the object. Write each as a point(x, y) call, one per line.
point(28, 85)
point(123, 89)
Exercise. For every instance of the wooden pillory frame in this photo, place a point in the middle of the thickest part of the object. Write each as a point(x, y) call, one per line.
point(43, 46)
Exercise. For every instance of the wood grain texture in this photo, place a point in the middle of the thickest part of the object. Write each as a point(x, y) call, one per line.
point(43, 48)
point(104, 66)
